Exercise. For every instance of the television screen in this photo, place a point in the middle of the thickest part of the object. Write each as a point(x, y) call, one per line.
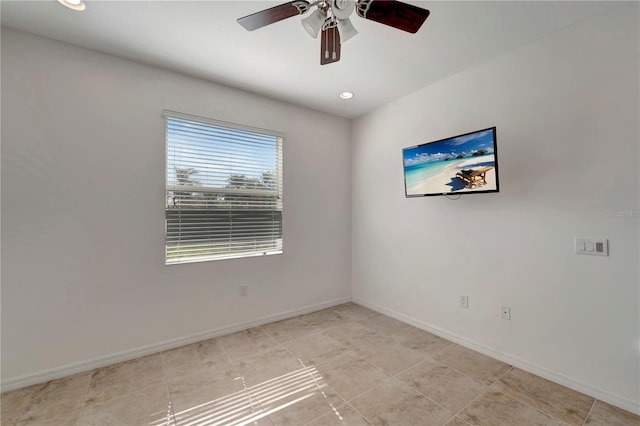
point(460, 164)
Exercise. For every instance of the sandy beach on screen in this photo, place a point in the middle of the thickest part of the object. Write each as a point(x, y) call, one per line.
point(446, 181)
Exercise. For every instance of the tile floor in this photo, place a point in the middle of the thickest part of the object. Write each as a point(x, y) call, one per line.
point(345, 365)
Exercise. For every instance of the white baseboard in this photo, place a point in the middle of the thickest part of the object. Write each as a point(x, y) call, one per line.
point(615, 400)
point(103, 361)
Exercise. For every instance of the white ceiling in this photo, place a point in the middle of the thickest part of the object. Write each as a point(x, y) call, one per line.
point(380, 64)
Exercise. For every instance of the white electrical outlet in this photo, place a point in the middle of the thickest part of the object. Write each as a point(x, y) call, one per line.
point(464, 302)
point(244, 290)
point(506, 312)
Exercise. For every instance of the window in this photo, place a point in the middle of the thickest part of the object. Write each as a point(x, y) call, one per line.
point(223, 190)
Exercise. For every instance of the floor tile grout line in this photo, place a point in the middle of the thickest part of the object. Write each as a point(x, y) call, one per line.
point(511, 368)
point(348, 401)
point(584, 422)
point(259, 403)
point(281, 344)
point(469, 376)
point(253, 353)
point(513, 397)
point(235, 369)
point(165, 377)
point(389, 378)
point(479, 353)
point(432, 352)
point(174, 418)
point(344, 401)
point(459, 418)
point(360, 414)
point(435, 402)
point(439, 404)
point(84, 397)
point(429, 355)
point(229, 360)
point(224, 351)
point(366, 419)
point(516, 398)
point(483, 392)
point(166, 381)
point(369, 389)
point(258, 400)
point(452, 368)
point(409, 368)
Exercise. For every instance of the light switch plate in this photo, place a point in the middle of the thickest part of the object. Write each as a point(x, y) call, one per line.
point(592, 247)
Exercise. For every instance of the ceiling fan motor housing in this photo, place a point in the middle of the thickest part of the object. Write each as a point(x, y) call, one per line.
point(302, 6)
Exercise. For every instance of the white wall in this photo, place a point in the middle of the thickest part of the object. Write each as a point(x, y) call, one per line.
point(83, 274)
point(566, 109)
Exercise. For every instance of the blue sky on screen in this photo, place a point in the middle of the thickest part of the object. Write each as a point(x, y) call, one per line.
point(449, 148)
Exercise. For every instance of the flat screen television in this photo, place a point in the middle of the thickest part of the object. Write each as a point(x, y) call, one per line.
point(463, 164)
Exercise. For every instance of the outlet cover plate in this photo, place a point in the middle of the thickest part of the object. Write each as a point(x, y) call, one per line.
point(506, 312)
point(464, 302)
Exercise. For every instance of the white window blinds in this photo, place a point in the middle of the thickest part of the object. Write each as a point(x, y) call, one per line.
point(223, 190)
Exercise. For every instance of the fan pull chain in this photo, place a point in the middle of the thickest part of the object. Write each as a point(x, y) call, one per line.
point(326, 51)
point(334, 45)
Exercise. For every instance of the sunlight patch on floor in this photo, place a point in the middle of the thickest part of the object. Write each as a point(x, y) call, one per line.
point(253, 403)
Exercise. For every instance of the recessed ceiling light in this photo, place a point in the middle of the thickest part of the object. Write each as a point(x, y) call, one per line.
point(346, 95)
point(73, 4)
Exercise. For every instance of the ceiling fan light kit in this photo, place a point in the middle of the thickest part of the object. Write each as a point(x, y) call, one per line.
point(77, 5)
point(346, 28)
point(313, 23)
point(332, 17)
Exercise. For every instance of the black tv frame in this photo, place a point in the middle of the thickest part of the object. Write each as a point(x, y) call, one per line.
point(460, 192)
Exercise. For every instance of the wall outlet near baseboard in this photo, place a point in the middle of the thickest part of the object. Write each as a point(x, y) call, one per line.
point(464, 302)
point(506, 312)
point(244, 290)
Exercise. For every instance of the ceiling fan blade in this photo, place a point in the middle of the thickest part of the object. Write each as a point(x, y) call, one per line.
point(330, 45)
point(402, 16)
point(274, 14)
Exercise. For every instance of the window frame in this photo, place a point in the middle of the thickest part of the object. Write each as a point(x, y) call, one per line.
point(279, 154)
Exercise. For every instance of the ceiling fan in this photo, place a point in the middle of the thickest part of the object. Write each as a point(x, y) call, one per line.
point(331, 17)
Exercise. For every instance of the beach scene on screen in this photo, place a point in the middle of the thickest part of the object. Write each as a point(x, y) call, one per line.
point(461, 164)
